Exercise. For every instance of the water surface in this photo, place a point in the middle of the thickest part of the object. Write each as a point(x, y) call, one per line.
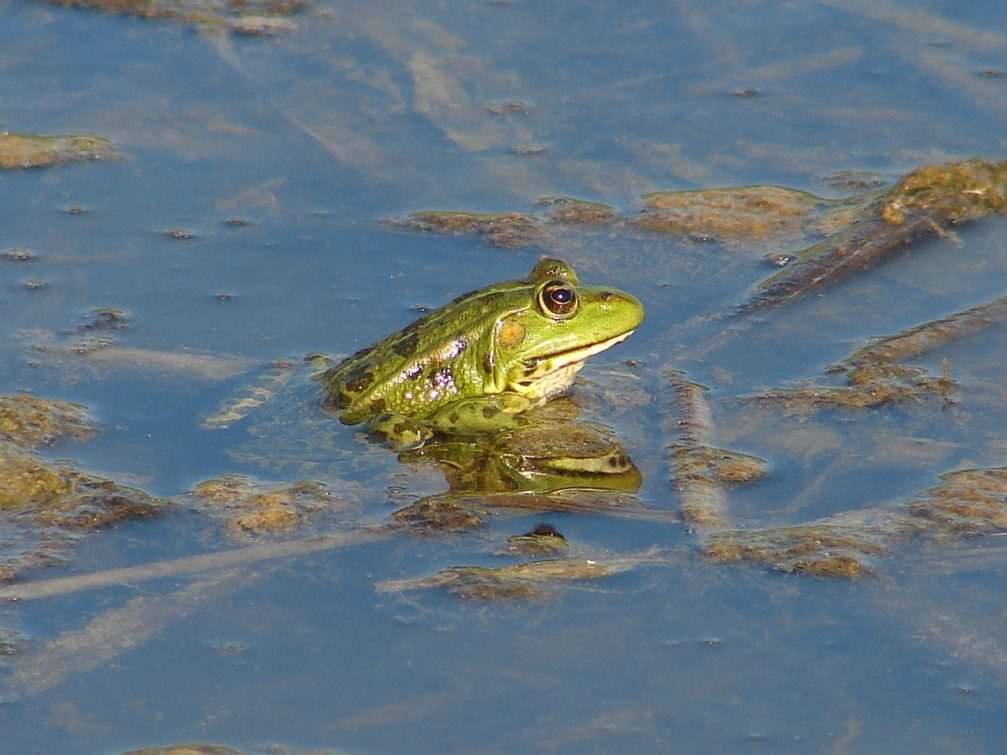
point(313, 138)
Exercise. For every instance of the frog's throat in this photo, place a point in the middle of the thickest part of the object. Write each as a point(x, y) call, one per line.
point(544, 377)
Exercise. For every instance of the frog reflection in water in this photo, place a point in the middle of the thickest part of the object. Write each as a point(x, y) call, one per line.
point(476, 364)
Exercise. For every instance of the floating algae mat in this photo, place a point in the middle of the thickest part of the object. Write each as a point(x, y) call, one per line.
point(19, 151)
point(249, 17)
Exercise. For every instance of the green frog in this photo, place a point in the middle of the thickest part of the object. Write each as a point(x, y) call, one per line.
point(477, 363)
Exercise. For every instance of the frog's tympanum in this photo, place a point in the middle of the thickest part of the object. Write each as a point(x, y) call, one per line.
point(475, 364)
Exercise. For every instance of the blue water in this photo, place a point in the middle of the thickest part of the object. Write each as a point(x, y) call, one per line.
point(315, 138)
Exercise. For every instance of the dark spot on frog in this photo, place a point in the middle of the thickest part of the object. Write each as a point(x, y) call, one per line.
point(453, 419)
point(407, 346)
point(488, 363)
point(362, 352)
point(359, 379)
point(489, 412)
point(378, 406)
point(414, 371)
point(342, 400)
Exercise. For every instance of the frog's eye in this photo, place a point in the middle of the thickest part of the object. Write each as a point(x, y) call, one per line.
point(558, 299)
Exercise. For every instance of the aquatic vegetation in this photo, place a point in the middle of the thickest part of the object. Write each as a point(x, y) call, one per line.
point(557, 464)
point(265, 388)
point(510, 230)
point(821, 549)
point(573, 210)
point(874, 373)
point(29, 421)
point(849, 544)
point(46, 507)
point(19, 151)
point(253, 508)
point(191, 748)
point(527, 581)
point(855, 232)
point(92, 347)
point(949, 193)
point(700, 470)
point(542, 540)
point(923, 203)
point(442, 514)
point(254, 18)
point(747, 212)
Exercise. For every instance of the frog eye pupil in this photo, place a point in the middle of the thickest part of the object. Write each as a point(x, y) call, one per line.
point(559, 298)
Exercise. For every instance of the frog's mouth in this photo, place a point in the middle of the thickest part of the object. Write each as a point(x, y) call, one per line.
point(544, 377)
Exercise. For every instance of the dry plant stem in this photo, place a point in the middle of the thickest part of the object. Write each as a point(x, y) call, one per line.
point(194, 564)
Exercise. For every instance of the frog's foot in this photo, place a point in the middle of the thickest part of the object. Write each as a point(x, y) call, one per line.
point(402, 433)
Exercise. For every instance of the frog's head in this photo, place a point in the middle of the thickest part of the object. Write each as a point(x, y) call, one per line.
point(539, 347)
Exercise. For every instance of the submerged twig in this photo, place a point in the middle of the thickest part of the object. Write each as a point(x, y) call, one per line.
point(193, 564)
point(700, 469)
point(929, 335)
point(117, 631)
point(876, 373)
point(923, 203)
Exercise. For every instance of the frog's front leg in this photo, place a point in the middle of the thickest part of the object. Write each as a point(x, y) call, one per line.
point(481, 414)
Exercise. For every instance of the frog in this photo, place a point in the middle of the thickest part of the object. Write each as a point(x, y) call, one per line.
point(478, 363)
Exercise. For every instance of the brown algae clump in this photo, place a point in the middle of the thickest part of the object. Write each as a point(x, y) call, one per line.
point(874, 373)
point(746, 212)
point(971, 502)
point(248, 17)
point(571, 210)
point(45, 507)
point(443, 513)
point(253, 508)
point(28, 421)
point(528, 581)
point(818, 548)
point(19, 151)
point(510, 230)
point(966, 503)
point(93, 503)
point(25, 479)
point(952, 192)
point(542, 540)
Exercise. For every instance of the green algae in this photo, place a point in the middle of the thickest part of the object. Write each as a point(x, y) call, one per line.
point(20, 151)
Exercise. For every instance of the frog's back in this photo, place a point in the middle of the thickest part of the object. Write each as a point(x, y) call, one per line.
point(436, 359)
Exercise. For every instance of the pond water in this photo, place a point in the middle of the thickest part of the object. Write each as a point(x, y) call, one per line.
point(246, 219)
